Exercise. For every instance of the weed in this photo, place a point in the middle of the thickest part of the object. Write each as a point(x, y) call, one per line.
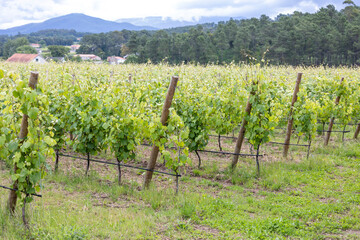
point(187, 210)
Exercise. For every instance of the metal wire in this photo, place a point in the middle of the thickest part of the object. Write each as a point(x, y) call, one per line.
point(13, 189)
point(211, 151)
point(332, 131)
point(239, 154)
point(291, 144)
point(121, 164)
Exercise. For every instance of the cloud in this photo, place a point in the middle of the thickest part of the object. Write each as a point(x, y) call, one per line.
point(252, 8)
point(16, 12)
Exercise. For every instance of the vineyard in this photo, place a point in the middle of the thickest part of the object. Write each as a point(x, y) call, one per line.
point(187, 139)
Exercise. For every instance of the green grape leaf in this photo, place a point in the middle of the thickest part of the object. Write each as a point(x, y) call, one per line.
point(49, 141)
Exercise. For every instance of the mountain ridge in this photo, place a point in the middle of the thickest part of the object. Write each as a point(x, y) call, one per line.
point(74, 21)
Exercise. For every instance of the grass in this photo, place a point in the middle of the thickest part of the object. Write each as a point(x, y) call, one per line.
point(315, 198)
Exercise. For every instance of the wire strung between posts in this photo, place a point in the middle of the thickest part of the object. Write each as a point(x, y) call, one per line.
point(292, 144)
point(121, 164)
point(332, 131)
point(211, 151)
point(13, 189)
point(149, 145)
point(229, 153)
point(223, 136)
point(348, 124)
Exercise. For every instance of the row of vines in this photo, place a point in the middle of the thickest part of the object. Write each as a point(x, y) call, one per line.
point(91, 109)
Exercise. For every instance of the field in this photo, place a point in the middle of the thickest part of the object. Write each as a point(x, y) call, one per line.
point(297, 197)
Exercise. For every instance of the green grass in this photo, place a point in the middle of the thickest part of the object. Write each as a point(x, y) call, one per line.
point(318, 198)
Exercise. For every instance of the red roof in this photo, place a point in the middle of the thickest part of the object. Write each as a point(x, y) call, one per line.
point(21, 57)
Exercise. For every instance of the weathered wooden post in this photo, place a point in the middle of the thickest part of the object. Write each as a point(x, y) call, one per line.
point(291, 120)
point(241, 136)
point(327, 137)
point(164, 117)
point(23, 134)
point(357, 131)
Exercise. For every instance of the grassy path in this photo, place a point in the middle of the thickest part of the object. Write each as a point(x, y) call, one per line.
point(317, 198)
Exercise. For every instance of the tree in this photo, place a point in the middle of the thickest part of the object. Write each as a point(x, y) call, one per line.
point(58, 51)
point(349, 2)
point(42, 43)
point(11, 46)
point(158, 47)
point(26, 49)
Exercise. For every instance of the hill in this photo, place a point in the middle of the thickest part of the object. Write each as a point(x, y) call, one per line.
point(76, 21)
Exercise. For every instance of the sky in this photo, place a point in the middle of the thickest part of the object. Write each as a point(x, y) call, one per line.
point(18, 12)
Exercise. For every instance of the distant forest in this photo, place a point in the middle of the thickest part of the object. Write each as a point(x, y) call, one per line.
point(327, 37)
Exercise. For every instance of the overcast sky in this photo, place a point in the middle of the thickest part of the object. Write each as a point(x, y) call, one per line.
point(18, 12)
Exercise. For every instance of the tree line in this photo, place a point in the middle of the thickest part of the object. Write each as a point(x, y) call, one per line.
point(327, 37)
point(56, 39)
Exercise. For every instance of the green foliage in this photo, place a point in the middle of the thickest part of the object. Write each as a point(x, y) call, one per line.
point(104, 44)
point(58, 51)
point(124, 129)
point(29, 154)
point(187, 210)
point(173, 135)
point(132, 59)
point(265, 114)
point(11, 46)
point(26, 49)
point(227, 105)
point(305, 116)
point(195, 117)
point(309, 199)
point(87, 125)
point(327, 37)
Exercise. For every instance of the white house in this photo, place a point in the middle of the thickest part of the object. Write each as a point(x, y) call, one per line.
point(88, 57)
point(115, 60)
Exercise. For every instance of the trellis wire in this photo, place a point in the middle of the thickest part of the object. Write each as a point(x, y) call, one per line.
point(14, 189)
point(121, 164)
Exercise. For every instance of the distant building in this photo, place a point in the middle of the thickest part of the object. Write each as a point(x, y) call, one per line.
point(56, 59)
point(115, 60)
point(26, 58)
point(36, 46)
point(88, 57)
point(74, 47)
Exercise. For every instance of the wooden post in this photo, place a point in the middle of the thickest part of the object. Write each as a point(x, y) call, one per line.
point(23, 133)
point(130, 78)
point(327, 137)
point(241, 136)
point(291, 120)
point(164, 117)
point(357, 131)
